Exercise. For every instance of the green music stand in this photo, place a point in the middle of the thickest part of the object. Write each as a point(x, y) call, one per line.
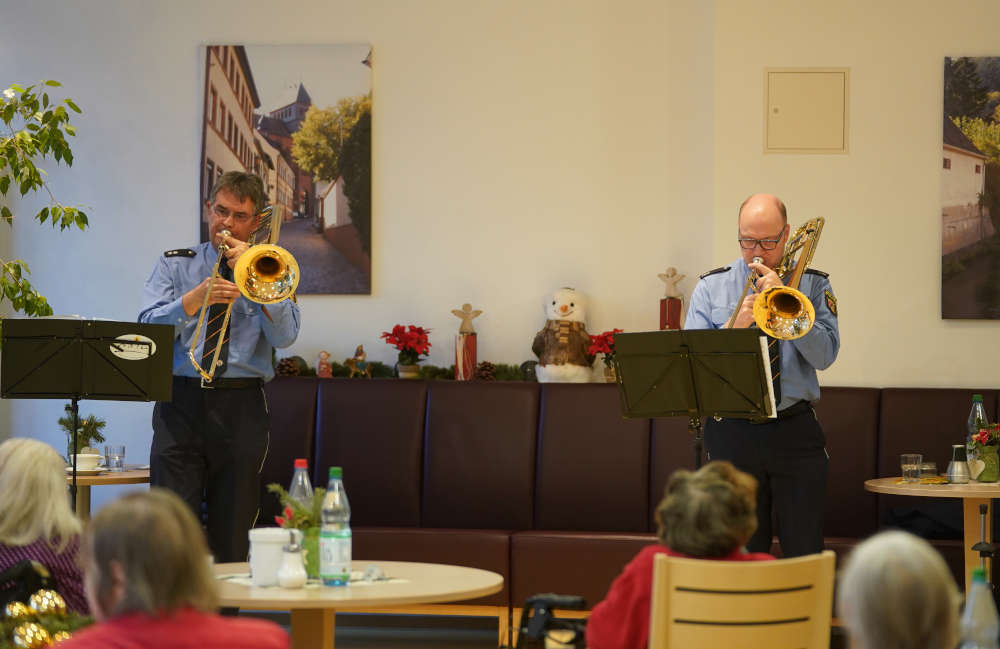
point(695, 373)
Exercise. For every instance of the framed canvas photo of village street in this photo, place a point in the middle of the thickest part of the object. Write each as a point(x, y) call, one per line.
point(970, 189)
point(298, 116)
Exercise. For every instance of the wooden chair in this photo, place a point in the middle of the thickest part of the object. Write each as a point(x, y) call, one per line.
point(779, 604)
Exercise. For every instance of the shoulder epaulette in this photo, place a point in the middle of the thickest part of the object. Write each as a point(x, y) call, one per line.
point(817, 272)
point(180, 252)
point(720, 269)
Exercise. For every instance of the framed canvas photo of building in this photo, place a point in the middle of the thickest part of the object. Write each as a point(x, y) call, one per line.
point(298, 116)
point(970, 188)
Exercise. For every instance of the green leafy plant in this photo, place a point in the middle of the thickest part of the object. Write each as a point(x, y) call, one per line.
point(34, 128)
point(87, 434)
point(295, 514)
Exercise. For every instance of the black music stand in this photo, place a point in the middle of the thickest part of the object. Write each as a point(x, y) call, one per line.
point(50, 358)
point(695, 373)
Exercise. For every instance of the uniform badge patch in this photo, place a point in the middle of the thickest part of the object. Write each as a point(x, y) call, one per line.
point(831, 302)
point(180, 252)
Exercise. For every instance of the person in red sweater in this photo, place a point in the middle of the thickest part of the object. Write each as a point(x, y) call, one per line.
point(706, 514)
point(150, 586)
point(36, 521)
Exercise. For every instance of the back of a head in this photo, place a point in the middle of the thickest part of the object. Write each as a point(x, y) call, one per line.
point(896, 592)
point(708, 513)
point(33, 501)
point(160, 548)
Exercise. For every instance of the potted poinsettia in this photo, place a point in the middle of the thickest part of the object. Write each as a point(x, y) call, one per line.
point(604, 343)
point(412, 342)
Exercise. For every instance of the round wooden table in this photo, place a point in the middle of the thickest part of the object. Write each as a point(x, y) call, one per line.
point(972, 494)
point(85, 482)
point(314, 607)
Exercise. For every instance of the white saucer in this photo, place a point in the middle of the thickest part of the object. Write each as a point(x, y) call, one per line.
point(79, 471)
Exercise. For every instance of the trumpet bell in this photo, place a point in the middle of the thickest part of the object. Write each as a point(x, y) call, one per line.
point(266, 273)
point(784, 312)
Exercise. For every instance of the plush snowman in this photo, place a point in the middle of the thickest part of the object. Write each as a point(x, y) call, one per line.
point(562, 345)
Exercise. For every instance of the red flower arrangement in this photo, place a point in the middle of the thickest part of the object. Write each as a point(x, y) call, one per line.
point(987, 436)
point(604, 344)
point(412, 343)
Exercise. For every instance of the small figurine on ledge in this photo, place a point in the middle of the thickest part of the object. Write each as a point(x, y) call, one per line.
point(358, 365)
point(465, 343)
point(323, 368)
point(562, 345)
point(672, 304)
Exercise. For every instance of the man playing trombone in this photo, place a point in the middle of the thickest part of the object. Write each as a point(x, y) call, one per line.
point(786, 454)
point(210, 440)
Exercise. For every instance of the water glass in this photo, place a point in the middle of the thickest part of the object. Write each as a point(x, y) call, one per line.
point(910, 463)
point(114, 457)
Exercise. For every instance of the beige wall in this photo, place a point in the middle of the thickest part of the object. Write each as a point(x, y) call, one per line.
point(523, 145)
point(882, 241)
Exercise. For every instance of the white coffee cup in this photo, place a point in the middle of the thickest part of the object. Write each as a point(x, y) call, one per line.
point(87, 461)
point(266, 552)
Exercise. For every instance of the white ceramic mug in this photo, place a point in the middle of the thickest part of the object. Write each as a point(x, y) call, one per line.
point(266, 552)
point(87, 461)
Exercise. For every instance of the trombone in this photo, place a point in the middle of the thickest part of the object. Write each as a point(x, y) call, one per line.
point(785, 312)
point(265, 273)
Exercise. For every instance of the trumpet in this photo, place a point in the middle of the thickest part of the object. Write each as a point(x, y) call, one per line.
point(785, 312)
point(265, 273)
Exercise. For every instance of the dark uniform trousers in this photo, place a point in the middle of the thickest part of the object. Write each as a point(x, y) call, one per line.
point(789, 460)
point(209, 445)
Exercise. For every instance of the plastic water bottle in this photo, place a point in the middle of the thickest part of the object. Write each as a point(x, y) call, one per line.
point(977, 420)
point(979, 620)
point(335, 534)
point(301, 488)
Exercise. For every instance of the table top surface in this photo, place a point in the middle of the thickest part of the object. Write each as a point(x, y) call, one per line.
point(971, 490)
point(136, 476)
point(409, 583)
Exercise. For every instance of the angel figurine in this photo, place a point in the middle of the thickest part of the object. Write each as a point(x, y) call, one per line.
point(466, 314)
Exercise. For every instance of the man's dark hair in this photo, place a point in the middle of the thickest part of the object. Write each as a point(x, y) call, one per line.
point(242, 185)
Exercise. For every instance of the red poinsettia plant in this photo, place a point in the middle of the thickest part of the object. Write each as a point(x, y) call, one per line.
point(987, 436)
point(604, 343)
point(411, 341)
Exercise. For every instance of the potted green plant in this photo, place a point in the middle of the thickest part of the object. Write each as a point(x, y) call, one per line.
point(296, 515)
point(88, 433)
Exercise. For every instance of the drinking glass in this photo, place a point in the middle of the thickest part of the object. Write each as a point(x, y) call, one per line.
point(114, 457)
point(910, 463)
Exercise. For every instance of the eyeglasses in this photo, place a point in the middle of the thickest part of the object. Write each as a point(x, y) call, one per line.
point(224, 213)
point(765, 244)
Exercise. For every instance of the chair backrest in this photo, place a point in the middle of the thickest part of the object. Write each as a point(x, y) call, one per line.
point(779, 604)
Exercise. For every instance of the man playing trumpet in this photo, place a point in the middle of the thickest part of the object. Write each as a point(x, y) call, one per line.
point(787, 454)
point(210, 440)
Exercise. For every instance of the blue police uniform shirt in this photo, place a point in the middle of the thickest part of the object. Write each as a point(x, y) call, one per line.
point(715, 298)
point(252, 333)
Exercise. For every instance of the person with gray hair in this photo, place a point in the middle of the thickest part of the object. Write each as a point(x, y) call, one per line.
point(150, 585)
point(705, 514)
point(210, 440)
point(896, 592)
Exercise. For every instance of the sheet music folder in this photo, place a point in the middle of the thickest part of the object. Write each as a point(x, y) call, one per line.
point(51, 358)
point(695, 373)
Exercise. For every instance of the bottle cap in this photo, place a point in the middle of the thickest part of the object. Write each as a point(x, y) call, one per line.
point(336, 472)
point(300, 463)
point(978, 574)
point(977, 397)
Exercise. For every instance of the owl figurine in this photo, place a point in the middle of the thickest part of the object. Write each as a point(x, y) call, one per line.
point(561, 346)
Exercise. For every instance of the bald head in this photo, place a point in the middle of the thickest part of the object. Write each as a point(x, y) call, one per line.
point(764, 202)
point(763, 217)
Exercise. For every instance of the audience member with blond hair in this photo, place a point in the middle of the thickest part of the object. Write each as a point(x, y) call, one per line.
point(706, 514)
point(896, 592)
point(150, 585)
point(36, 521)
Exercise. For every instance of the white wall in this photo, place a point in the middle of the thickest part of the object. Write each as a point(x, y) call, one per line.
point(882, 240)
point(517, 147)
